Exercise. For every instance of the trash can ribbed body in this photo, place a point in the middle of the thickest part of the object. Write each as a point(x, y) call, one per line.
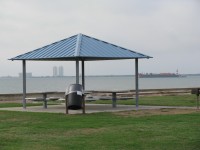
point(74, 96)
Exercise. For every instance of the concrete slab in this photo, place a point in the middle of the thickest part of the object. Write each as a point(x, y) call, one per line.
point(90, 108)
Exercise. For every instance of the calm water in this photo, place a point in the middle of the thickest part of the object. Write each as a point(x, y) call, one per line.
point(14, 85)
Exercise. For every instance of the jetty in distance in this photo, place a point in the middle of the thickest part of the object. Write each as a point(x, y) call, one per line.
point(161, 75)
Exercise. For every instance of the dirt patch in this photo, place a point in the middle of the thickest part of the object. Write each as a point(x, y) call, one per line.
point(163, 111)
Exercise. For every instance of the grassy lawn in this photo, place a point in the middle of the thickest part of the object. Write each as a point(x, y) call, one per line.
point(100, 131)
point(178, 100)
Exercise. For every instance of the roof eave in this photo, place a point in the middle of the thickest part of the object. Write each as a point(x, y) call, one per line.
point(85, 58)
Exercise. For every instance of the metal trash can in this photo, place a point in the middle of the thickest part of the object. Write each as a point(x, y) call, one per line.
point(196, 91)
point(74, 95)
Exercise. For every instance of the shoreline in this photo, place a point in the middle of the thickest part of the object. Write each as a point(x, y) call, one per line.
point(105, 94)
point(195, 74)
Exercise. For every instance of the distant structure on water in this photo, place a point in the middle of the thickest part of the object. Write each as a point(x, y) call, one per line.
point(55, 71)
point(58, 71)
point(160, 75)
point(28, 75)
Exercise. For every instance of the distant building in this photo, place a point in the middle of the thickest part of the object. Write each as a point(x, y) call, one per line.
point(28, 75)
point(55, 71)
point(60, 71)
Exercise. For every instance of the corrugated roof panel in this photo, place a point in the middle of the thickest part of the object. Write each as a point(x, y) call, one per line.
point(88, 49)
point(58, 49)
point(93, 47)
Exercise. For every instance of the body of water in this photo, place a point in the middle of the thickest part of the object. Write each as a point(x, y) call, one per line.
point(39, 84)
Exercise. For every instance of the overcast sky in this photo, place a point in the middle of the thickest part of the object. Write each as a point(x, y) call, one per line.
point(168, 30)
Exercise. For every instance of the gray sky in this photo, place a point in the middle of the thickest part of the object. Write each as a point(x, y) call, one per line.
point(168, 30)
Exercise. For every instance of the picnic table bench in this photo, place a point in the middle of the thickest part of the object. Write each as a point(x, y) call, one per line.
point(114, 95)
point(44, 98)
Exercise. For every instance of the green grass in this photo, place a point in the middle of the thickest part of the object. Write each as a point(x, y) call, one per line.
point(100, 131)
point(178, 100)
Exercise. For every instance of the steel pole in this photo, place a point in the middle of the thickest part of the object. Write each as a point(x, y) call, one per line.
point(83, 84)
point(77, 72)
point(83, 74)
point(136, 84)
point(24, 83)
point(114, 99)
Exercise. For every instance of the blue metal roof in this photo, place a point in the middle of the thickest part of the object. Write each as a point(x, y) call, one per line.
point(80, 47)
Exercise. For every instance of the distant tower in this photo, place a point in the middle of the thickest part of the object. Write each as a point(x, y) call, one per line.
point(60, 71)
point(55, 71)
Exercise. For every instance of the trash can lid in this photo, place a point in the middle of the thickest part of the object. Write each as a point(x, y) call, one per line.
point(78, 88)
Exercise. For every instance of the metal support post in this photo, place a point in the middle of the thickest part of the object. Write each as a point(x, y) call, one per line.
point(83, 84)
point(24, 83)
point(66, 105)
point(77, 72)
point(136, 84)
point(83, 75)
point(197, 102)
point(114, 99)
point(83, 109)
point(44, 100)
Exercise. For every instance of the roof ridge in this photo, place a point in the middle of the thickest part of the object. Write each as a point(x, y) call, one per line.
point(78, 45)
